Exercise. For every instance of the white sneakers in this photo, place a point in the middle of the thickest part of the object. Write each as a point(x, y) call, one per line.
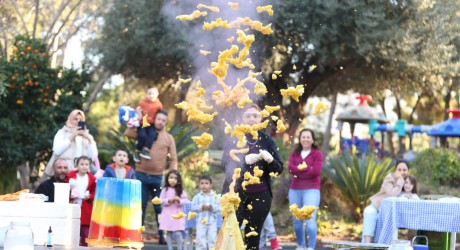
point(303, 248)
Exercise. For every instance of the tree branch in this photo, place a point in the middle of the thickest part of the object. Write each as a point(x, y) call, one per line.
point(56, 17)
point(381, 102)
point(398, 105)
point(447, 99)
point(5, 51)
point(37, 7)
point(45, 19)
point(16, 7)
point(327, 134)
point(65, 20)
point(411, 117)
point(66, 40)
point(96, 91)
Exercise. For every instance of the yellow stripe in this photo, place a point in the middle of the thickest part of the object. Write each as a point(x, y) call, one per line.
point(116, 215)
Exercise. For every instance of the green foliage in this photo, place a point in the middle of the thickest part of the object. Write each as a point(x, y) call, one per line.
point(369, 46)
point(36, 102)
point(8, 180)
point(137, 40)
point(182, 134)
point(193, 162)
point(116, 140)
point(438, 167)
point(366, 46)
point(357, 178)
point(185, 147)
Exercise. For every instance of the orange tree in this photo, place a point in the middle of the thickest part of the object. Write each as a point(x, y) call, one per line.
point(35, 102)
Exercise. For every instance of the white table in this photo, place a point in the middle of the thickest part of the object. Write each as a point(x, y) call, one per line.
point(64, 219)
point(428, 215)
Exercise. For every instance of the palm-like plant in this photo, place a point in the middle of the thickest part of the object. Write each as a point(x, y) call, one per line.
point(182, 136)
point(357, 178)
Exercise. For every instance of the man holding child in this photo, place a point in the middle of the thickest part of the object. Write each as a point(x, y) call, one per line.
point(150, 171)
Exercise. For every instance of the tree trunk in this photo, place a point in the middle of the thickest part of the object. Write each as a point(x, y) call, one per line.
point(389, 135)
point(96, 91)
point(447, 99)
point(327, 134)
point(398, 107)
point(293, 114)
point(24, 176)
point(8, 180)
point(411, 117)
point(37, 8)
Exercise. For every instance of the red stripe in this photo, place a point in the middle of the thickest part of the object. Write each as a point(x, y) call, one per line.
point(99, 232)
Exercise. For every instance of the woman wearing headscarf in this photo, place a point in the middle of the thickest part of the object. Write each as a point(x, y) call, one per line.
point(72, 141)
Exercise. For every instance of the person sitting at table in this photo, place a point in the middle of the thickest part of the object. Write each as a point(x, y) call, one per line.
point(60, 170)
point(410, 188)
point(391, 187)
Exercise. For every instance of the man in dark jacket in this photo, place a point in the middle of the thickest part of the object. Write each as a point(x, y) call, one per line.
point(61, 169)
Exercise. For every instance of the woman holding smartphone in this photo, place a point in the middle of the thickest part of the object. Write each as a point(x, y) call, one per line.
point(72, 141)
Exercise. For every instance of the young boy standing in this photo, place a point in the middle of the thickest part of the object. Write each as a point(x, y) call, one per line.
point(206, 205)
point(149, 107)
point(119, 168)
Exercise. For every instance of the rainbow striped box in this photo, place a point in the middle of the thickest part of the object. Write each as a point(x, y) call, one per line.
point(117, 212)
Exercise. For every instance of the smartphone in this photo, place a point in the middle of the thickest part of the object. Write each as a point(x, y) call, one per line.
point(81, 125)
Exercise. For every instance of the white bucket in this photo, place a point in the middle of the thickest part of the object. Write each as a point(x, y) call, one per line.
point(61, 193)
point(3, 229)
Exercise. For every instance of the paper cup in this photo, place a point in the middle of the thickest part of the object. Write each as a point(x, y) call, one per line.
point(61, 193)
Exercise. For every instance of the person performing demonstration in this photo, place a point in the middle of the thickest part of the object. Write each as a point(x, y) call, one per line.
point(254, 183)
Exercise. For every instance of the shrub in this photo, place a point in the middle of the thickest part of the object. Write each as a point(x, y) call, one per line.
point(35, 102)
point(438, 167)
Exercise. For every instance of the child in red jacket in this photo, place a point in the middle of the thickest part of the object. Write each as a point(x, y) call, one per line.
point(83, 187)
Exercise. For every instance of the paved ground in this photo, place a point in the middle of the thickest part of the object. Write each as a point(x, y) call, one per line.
point(152, 246)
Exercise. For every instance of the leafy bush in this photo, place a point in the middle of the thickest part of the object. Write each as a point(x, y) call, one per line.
point(36, 100)
point(438, 167)
point(357, 178)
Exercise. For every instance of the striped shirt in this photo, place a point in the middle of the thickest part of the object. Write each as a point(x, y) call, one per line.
point(206, 199)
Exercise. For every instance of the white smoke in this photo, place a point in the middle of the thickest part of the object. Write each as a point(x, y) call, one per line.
point(215, 41)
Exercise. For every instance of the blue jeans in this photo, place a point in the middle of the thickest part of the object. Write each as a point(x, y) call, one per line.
point(151, 188)
point(145, 137)
point(308, 197)
point(370, 216)
point(268, 231)
point(177, 236)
